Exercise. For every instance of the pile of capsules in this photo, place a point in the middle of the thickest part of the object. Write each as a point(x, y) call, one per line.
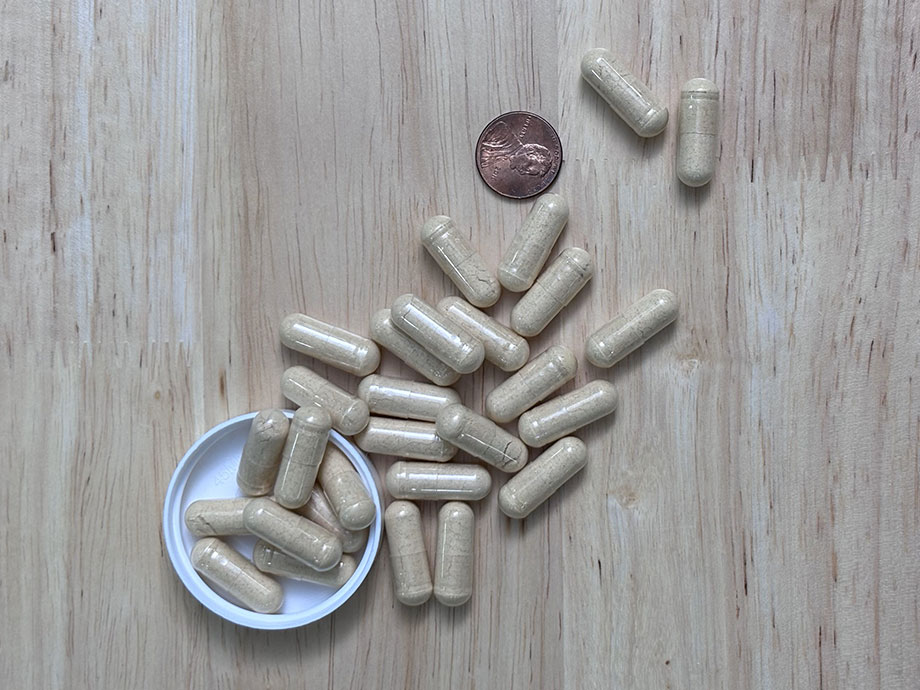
point(306, 528)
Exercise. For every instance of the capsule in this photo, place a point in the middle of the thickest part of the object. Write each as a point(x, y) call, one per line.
point(453, 558)
point(533, 242)
point(561, 416)
point(320, 511)
point(330, 344)
point(304, 387)
point(292, 533)
point(228, 570)
point(462, 264)
point(262, 452)
point(631, 328)
point(408, 559)
point(216, 517)
point(346, 492)
point(542, 478)
point(301, 456)
point(554, 289)
point(541, 376)
point(405, 399)
point(410, 352)
point(631, 99)
point(481, 438)
point(697, 132)
point(272, 560)
point(432, 481)
point(503, 347)
point(405, 438)
point(436, 333)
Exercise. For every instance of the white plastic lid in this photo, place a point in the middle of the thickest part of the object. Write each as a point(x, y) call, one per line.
point(208, 470)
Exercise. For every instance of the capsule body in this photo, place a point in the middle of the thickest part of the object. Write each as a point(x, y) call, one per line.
point(272, 560)
point(408, 559)
point(533, 242)
point(554, 289)
point(462, 264)
point(405, 399)
point(410, 352)
point(629, 97)
point(301, 456)
point(320, 511)
point(503, 347)
point(436, 333)
point(631, 328)
point(482, 438)
point(405, 438)
point(330, 344)
point(541, 478)
point(538, 378)
point(262, 452)
point(431, 481)
point(561, 416)
point(346, 492)
point(305, 387)
point(216, 517)
point(453, 559)
point(292, 533)
point(222, 566)
point(697, 132)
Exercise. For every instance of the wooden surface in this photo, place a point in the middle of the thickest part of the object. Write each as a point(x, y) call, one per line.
point(175, 177)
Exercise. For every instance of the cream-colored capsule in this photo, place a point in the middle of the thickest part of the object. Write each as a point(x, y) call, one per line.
point(453, 558)
point(319, 510)
point(301, 456)
point(504, 348)
point(292, 533)
point(405, 438)
point(345, 490)
point(462, 264)
point(405, 399)
point(630, 98)
point(554, 289)
point(697, 132)
point(409, 351)
point(408, 559)
point(330, 344)
point(432, 481)
point(538, 378)
point(561, 416)
point(228, 570)
point(305, 387)
point(436, 333)
point(533, 242)
point(270, 559)
point(482, 438)
point(216, 517)
point(262, 452)
point(631, 328)
point(541, 478)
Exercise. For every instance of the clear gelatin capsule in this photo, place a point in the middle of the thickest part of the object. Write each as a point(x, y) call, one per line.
point(503, 347)
point(270, 559)
point(629, 97)
point(330, 344)
point(545, 373)
point(453, 560)
point(443, 338)
point(302, 453)
point(530, 487)
point(305, 387)
point(262, 452)
point(410, 352)
point(391, 397)
point(216, 517)
point(561, 416)
point(482, 438)
point(408, 558)
point(697, 132)
point(405, 438)
point(554, 289)
point(630, 329)
point(533, 242)
point(346, 492)
point(292, 533)
point(434, 481)
point(232, 573)
point(460, 262)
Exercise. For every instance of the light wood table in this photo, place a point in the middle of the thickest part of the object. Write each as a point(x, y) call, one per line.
point(175, 177)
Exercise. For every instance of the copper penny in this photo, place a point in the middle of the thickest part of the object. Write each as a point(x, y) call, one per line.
point(518, 154)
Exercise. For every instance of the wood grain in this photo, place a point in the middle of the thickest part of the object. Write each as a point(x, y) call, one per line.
point(176, 177)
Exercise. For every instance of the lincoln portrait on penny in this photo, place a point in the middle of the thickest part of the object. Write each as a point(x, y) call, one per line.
point(503, 146)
